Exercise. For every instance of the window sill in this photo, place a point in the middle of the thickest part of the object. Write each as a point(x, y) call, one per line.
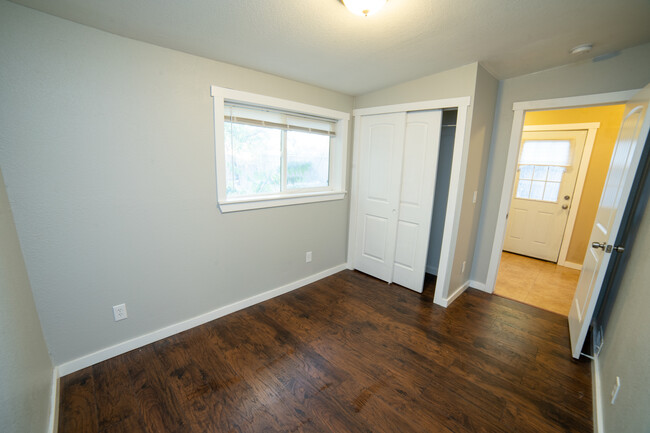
point(248, 203)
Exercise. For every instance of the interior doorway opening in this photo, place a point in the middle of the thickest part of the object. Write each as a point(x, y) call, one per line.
point(561, 168)
point(443, 179)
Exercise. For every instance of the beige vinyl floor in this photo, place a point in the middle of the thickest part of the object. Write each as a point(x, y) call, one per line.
point(535, 282)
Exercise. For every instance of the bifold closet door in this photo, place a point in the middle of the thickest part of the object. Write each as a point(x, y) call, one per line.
point(397, 171)
point(419, 167)
point(380, 172)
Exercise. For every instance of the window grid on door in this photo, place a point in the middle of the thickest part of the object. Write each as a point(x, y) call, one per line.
point(539, 182)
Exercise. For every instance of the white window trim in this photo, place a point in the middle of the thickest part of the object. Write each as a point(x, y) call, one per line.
point(338, 153)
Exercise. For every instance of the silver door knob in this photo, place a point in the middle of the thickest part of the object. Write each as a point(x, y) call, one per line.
point(598, 245)
point(565, 206)
point(619, 249)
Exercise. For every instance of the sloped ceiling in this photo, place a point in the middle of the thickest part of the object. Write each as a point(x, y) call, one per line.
point(319, 42)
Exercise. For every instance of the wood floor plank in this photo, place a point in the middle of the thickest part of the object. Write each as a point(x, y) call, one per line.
point(115, 398)
point(78, 402)
point(348, 353)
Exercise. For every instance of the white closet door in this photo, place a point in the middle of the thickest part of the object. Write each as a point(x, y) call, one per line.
point(420, 163)
point(380, 172)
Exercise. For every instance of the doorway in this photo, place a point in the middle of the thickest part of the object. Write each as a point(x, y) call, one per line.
point(358, 239)
point(561, 167)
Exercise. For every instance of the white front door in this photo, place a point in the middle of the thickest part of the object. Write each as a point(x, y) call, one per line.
point(380, 173)
point(544, 186)
point(421, 149)
point(616, 190)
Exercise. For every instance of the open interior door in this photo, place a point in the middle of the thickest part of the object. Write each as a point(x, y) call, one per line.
point(622, 168)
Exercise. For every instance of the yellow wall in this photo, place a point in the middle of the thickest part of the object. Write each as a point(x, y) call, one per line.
point(610, 118)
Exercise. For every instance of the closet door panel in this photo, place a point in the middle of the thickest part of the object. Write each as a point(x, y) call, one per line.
point(380, 171)
point(420, 162)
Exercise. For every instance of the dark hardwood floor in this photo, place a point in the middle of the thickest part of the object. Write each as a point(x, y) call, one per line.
point(346, 354)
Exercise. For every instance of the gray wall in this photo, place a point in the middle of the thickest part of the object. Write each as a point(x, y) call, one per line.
point(448, 84)
point(483, 106)
point(107, 148)
point(629, 70)
point(626, 346)
point(25, 366)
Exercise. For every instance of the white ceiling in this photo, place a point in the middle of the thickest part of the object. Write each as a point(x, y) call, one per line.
point(319, 42)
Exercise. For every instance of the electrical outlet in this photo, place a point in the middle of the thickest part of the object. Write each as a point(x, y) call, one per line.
point(308, 257)
point(616, 388)
point(462, 269)
point(119, 312)
point(475, 197)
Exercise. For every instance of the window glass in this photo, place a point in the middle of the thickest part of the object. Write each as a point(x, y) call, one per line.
point(308, 158)
point(551, 191)
point(526, 171)
point(537, 190)
point(253, 160)
point(555, 173)
point(539, 182)
point(523, 189)
point(540, 172)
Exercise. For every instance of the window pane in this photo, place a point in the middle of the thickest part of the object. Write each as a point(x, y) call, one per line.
point(537, 190)
point(546, 152)
point(540, 172)
point(526, 171)
point(552, 190)
point(253, 160)
point(308, 160)
point(523, 189)
point(555, 173)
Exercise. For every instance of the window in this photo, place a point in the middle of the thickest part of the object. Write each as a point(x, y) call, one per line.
point(542, 164)
point(273, 152)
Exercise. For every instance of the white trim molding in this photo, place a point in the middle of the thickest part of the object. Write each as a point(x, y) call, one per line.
point(597, 396)
point(575, 101)
point(446, 301)
point(434, 104)
point(53, 423)
point(571, 265)
point(519, 109)
point(478, 286)
point(126, 346)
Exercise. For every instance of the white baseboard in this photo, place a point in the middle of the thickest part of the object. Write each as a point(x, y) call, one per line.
point(479, 286)
point(571, 265)
point(597, 396)
point(126, 346)
point(53, 425)
point(451, 298)
point(433, 270)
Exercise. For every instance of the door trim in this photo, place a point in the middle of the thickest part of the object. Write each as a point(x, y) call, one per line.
point(592, 129)
point(519, 109)
point(456, 183)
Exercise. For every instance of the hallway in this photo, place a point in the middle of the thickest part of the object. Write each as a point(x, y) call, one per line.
point(535, 282)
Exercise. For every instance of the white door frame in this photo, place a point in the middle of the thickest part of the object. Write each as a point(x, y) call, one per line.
point(456, 184)
point(591, 129)
point(520, 108)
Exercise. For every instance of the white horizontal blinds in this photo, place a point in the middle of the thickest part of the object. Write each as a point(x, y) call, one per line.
point(277, 119)
point(546, 152)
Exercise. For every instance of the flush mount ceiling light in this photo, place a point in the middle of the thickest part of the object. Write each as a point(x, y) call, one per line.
point(581, 49)
point(364, 7)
